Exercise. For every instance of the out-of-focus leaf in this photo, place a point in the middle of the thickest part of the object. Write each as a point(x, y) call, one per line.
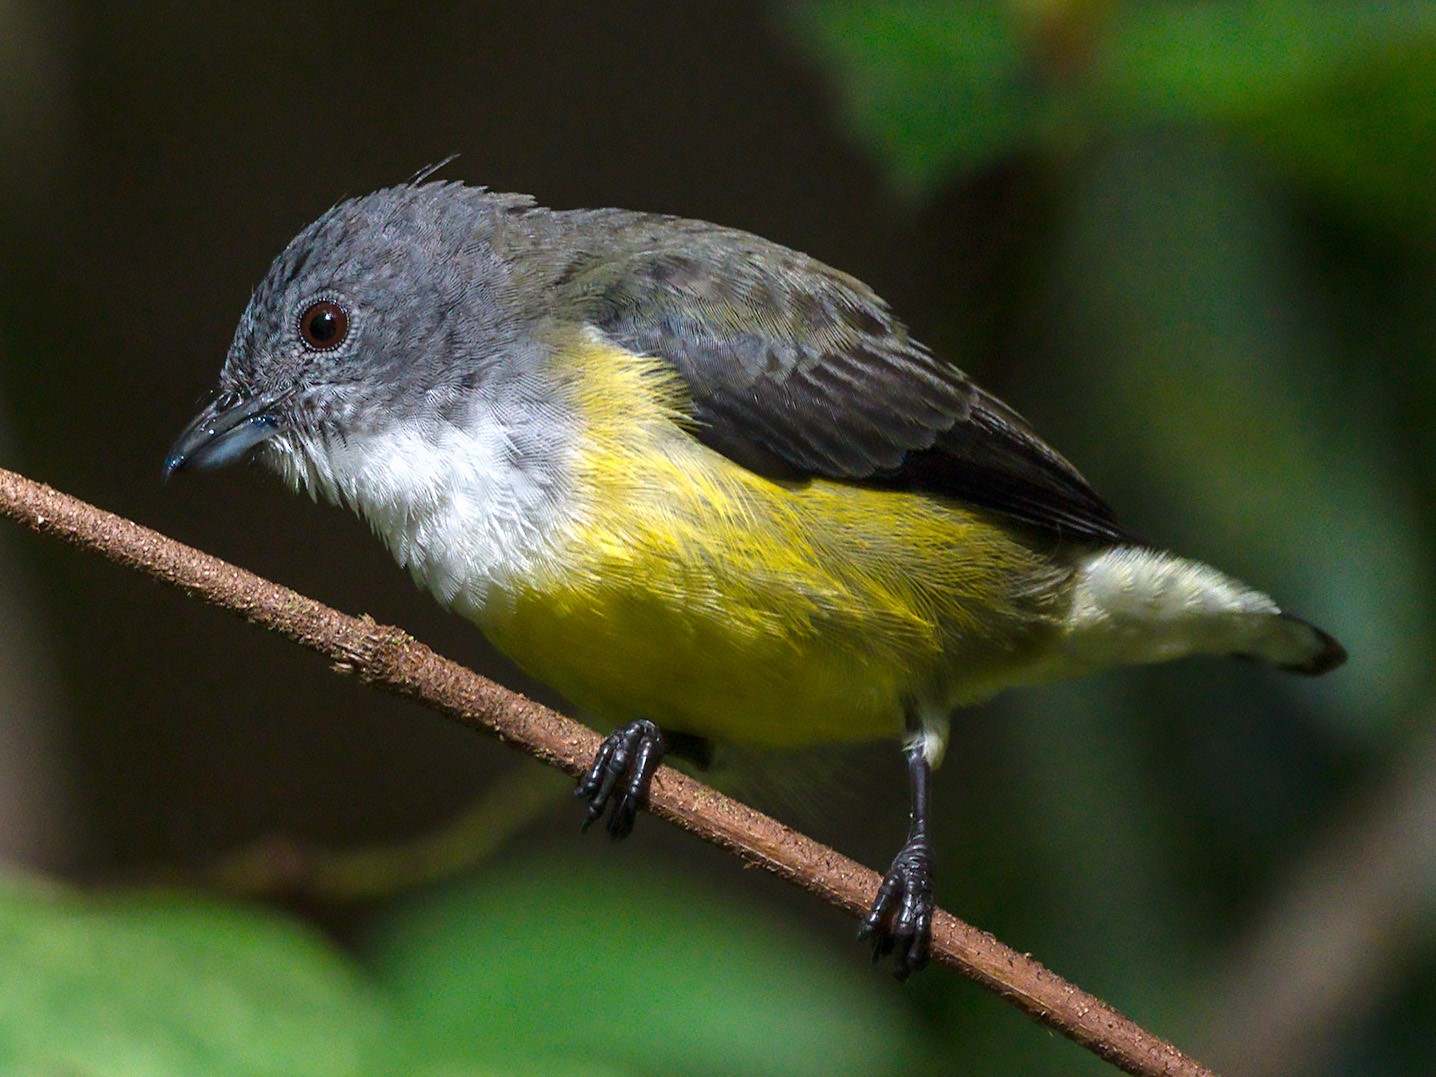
point(173, 986)
point(1342, 95)
point(928, 88)
point(645, 973)
point(1367, 141)
point(1226, 59)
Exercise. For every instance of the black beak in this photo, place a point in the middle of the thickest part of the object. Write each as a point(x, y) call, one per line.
point(222, 433)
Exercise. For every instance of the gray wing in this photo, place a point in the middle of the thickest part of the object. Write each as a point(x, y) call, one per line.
point(797, 370)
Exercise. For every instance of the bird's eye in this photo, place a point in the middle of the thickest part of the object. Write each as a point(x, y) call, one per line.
point(323, 325)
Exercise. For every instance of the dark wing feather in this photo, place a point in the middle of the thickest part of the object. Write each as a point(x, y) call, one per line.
point(798, 370)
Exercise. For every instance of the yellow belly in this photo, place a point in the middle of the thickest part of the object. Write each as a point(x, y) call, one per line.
point(713, 601)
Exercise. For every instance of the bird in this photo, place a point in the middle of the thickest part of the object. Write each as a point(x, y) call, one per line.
point(707, 487)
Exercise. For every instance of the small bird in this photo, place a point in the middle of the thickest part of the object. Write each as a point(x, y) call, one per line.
point(705, 486)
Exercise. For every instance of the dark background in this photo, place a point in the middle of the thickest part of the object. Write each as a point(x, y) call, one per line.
point(1207, 282)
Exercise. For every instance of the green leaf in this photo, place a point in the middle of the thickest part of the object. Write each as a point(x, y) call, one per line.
point(1366, 142)
point(633, 970)
point(929, 89)
point(173, 986)
point(1225, 59)
point(1340, 95)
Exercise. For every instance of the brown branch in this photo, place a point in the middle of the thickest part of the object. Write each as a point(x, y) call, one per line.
point(391, 659)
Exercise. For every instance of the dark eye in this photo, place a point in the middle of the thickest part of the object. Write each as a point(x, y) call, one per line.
point(324, 325)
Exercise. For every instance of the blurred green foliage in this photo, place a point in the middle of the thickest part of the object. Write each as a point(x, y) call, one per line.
point(629, 971)
point(1342, 94)
point(159, 986)
point(527, 970)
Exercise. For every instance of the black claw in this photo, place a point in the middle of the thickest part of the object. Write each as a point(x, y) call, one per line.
point(900, 920)
point(618, 780)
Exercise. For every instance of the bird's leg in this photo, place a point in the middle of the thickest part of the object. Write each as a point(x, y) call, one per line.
point(618, 779)
point(900, 920)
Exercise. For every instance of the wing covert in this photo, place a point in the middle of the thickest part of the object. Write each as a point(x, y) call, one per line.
point(798, 370)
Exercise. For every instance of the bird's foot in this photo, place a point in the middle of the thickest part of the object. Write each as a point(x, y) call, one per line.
point(618, 780)
point(900, 920)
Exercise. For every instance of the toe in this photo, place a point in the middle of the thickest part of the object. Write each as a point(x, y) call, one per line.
point(617, 782)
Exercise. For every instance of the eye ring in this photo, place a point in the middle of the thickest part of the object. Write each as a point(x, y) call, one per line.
point(323, 325)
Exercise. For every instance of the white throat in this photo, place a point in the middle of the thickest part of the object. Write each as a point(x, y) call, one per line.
point(467, 509)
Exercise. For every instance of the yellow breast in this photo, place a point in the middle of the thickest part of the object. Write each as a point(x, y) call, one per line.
point(694, 592)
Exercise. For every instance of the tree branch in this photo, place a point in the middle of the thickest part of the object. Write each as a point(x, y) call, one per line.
point(389, 658)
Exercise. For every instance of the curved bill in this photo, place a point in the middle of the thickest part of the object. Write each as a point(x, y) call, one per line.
point(223, 432)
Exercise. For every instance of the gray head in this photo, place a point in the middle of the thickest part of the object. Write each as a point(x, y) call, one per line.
point(393, 305)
